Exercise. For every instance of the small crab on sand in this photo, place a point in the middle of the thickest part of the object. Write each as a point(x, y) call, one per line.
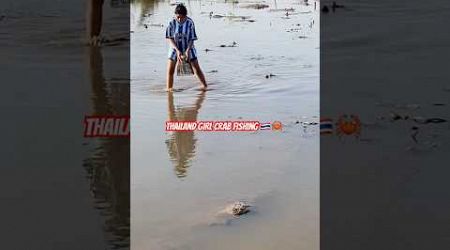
point(237, 209)
point(230, 212)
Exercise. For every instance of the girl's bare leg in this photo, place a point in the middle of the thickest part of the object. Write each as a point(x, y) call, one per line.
point(170, 71)
point(94, 15)
point(198, 72)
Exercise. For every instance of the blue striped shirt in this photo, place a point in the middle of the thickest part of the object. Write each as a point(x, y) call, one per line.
point(182, 33)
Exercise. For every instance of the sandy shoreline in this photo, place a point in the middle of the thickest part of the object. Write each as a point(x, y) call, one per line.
point(194, 175)
point(55, 81)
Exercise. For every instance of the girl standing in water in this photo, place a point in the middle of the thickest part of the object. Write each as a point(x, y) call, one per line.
point(181, 36)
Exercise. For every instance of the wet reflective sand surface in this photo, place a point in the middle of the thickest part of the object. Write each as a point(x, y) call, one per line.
point(182, 180)
point(107, 166)
point(386, 61)
point(63, 191)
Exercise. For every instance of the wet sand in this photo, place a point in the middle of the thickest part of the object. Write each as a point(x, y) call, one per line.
point(62, 191)
point(181, 180)
point(393, 187)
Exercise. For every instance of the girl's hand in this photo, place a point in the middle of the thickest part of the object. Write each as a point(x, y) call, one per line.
point(179, 56)
point(187, 55)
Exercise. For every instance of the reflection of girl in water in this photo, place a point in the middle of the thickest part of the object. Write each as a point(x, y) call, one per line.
point(108, 164)
point(181, 35)
point(181, 145)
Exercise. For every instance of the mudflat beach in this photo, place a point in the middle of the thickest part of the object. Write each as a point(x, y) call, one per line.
point(261, 64)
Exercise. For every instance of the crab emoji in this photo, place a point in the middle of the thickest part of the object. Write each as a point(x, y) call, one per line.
point(348, 125)
point(276, 125)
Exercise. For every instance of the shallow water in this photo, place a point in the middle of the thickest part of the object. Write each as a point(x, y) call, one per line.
point(69, 192)
point(418, 81)
point(392, 185)
point(181, 180)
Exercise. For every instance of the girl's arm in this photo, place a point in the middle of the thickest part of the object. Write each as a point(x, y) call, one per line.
point(192, 38)
point(191, 42)
point(174, 45)
point(189, 48)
